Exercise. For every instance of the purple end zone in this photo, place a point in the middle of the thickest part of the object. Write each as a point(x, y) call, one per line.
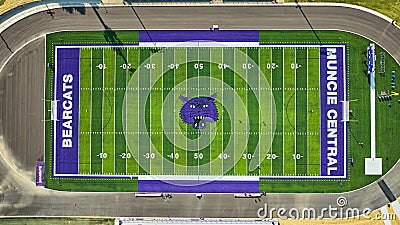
point(67, 97)
point(192, 186)
point(332, 92)
point(39, 173)
point(196, 35)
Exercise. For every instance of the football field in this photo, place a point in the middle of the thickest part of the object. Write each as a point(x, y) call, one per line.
point(268, 102)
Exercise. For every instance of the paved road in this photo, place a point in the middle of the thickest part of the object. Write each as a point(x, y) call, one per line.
point(25, 71)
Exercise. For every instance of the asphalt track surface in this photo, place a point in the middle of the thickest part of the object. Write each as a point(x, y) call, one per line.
point(21, 93)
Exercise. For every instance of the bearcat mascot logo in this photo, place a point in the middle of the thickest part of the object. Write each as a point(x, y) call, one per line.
point(198, 111)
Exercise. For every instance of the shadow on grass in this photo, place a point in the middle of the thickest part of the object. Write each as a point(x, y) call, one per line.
point(112, 38)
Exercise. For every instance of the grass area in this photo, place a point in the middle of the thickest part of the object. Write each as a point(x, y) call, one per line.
point(56, 221)
point(387, 119)
point(111, 37)
point(93, 185)
point(390, 8)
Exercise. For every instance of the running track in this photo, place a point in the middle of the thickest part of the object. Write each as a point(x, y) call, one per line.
point(18, 195)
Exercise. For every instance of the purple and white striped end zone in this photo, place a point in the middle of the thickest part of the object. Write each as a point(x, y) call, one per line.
point(333, 91)
point(66, 93)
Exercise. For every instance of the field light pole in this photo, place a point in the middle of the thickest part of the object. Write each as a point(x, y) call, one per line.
point(144, 27)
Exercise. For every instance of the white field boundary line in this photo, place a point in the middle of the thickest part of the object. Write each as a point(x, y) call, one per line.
point(202, 177)
point(273, 177)
point(54, 143)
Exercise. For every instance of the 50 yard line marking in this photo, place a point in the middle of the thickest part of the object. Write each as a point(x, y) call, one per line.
point(186, 84)
point(198, 87)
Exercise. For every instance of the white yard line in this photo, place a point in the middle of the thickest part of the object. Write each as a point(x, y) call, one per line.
point(138, 107)
point(245, 108)
point(186, 95)
point(91, 109)
point(162, 108)
point(115, 75)
point(149, 96)
point(222, 113)
point(209, 135)
point(295, 111)
point(307, 114)
point(126, 112)
point(319, 97)
point(198, 87)
point(79, 106)
point(233, 117)
point(102, 119)
point(272, 98)
point(259, 114)
point(283, 111)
